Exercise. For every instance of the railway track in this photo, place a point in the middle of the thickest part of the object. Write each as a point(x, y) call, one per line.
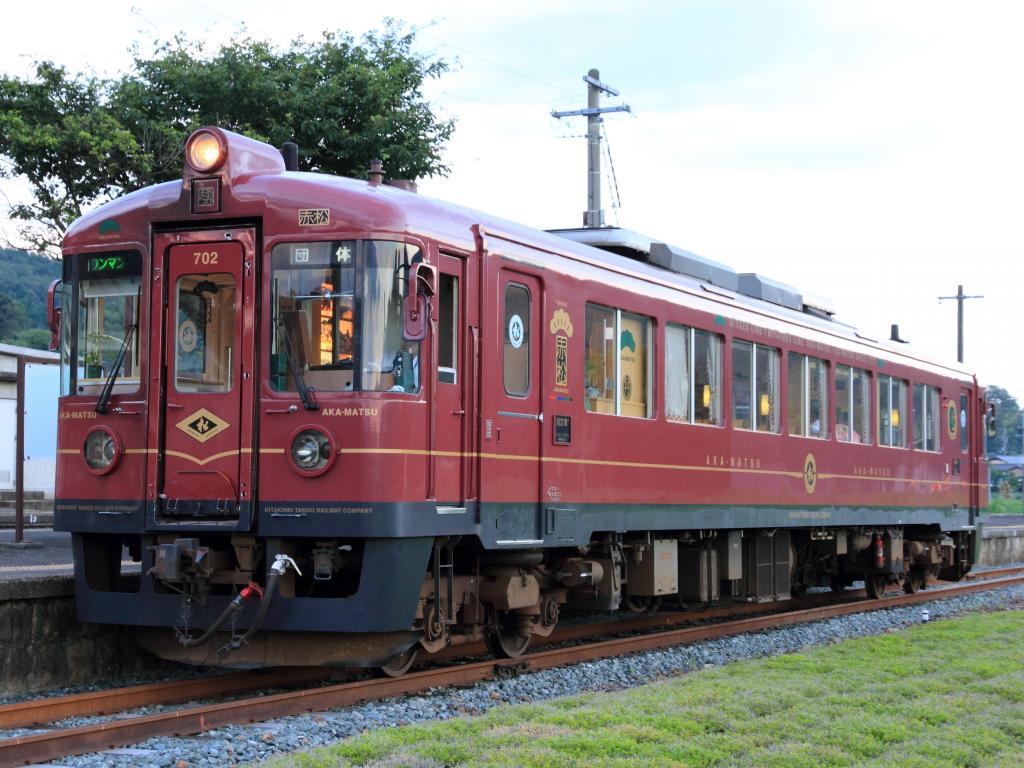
point(52, 744)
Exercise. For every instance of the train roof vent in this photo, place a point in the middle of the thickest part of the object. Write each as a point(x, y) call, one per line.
point(685, 263)
point(819, 306)
point(771, 291)
point(624, 242)
point(640, 247)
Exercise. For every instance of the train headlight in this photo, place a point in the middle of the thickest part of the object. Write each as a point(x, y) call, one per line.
point(101, 450)
point(205, 151)
point(312, 451)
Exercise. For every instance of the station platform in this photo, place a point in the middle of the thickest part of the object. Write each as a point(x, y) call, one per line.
point(44, 552)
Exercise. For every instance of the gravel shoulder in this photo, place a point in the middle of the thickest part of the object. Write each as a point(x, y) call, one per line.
point(945, 693)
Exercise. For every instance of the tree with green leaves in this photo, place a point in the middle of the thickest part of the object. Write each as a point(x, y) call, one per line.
point(1007, 440)
point(82, 140)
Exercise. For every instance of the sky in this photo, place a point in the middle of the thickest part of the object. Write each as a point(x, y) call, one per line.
point(869, 152)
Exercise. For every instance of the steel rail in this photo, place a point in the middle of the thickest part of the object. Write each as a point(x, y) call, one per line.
point(27, 713)
point(93, 738)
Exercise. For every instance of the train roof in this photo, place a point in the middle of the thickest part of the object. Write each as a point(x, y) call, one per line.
point(362, 206)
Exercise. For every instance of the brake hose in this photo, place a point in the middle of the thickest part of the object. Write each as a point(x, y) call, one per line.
point(281, 565)
point(232, 608)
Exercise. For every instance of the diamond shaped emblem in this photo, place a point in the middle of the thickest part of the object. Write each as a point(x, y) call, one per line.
point(202, 425)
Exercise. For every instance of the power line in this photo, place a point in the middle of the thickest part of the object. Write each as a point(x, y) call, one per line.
point(493, 63)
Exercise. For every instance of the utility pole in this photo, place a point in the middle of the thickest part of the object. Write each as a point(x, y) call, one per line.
point(959, 319)
point(594, 216)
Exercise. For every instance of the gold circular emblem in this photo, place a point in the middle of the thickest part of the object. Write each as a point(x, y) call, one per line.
point(810, 473)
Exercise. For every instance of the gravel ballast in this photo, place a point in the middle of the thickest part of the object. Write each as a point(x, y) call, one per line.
point(252, 743)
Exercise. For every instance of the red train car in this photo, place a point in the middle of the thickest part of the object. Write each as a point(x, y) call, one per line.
point(338, 422)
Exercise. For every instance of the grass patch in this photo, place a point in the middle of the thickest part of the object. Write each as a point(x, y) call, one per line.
point(939, 695)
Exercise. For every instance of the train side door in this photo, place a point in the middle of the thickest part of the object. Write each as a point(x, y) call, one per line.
point(515, 478)
point(963, 464)
point(206, 436)
point(450, 387)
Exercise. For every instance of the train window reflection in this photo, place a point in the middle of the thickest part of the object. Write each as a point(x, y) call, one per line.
point(892, 411)
point(516, 343)
point(448, 329)
point(204, 335)
point(853, 410)
point(600, 359)
point(693, 374)
point(109, 295)
point(808, 396)
point(755, 387)
point(964, 425)
point(618, 363)
point(337, 317)
point(926, 417)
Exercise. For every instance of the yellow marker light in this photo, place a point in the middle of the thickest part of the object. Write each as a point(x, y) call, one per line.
point(894, 418)
point(204, 151)
point(766, 406)
point(706, 399)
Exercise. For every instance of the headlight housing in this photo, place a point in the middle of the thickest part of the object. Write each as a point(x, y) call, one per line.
point(101, 450)
point(205, 151)
point(312, 451)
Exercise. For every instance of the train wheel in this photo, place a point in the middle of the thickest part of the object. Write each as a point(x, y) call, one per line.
point(914, 582)
point(644, 604)
point(874, 584)
point(504, 640)
point(401, 664)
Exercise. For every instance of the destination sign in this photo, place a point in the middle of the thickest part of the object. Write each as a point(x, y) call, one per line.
point(113, 265)
point(106, 263)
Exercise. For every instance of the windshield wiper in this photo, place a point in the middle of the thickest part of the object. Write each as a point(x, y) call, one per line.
point(305, 391)
point(103, 404)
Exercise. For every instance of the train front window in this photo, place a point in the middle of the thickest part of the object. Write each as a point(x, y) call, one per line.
point(204, 339)
point(337, 317)
point(109, 291)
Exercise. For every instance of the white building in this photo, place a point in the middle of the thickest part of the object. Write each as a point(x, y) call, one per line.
point(42, 387)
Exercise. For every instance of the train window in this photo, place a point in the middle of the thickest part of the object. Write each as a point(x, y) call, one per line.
point(808, 396)
point(336, 317)
point(448, 329)
point(853, 412)
point(109, 293)
point(517, 340)
point(600, 359)
point(693, 374)
point(634, 333)
point(618, 363)
point(204, 338)
point(926, 417)
point(755, 387)
point(892, 411)
point(963, 423)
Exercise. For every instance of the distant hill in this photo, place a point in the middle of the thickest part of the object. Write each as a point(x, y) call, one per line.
point(24, 280)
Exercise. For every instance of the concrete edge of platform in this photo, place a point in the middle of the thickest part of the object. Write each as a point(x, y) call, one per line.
point(37, 588)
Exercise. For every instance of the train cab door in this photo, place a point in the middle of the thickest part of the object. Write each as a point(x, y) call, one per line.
point(205, 449)
point(450, 384)
point(970, 447)
point(516, 477)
